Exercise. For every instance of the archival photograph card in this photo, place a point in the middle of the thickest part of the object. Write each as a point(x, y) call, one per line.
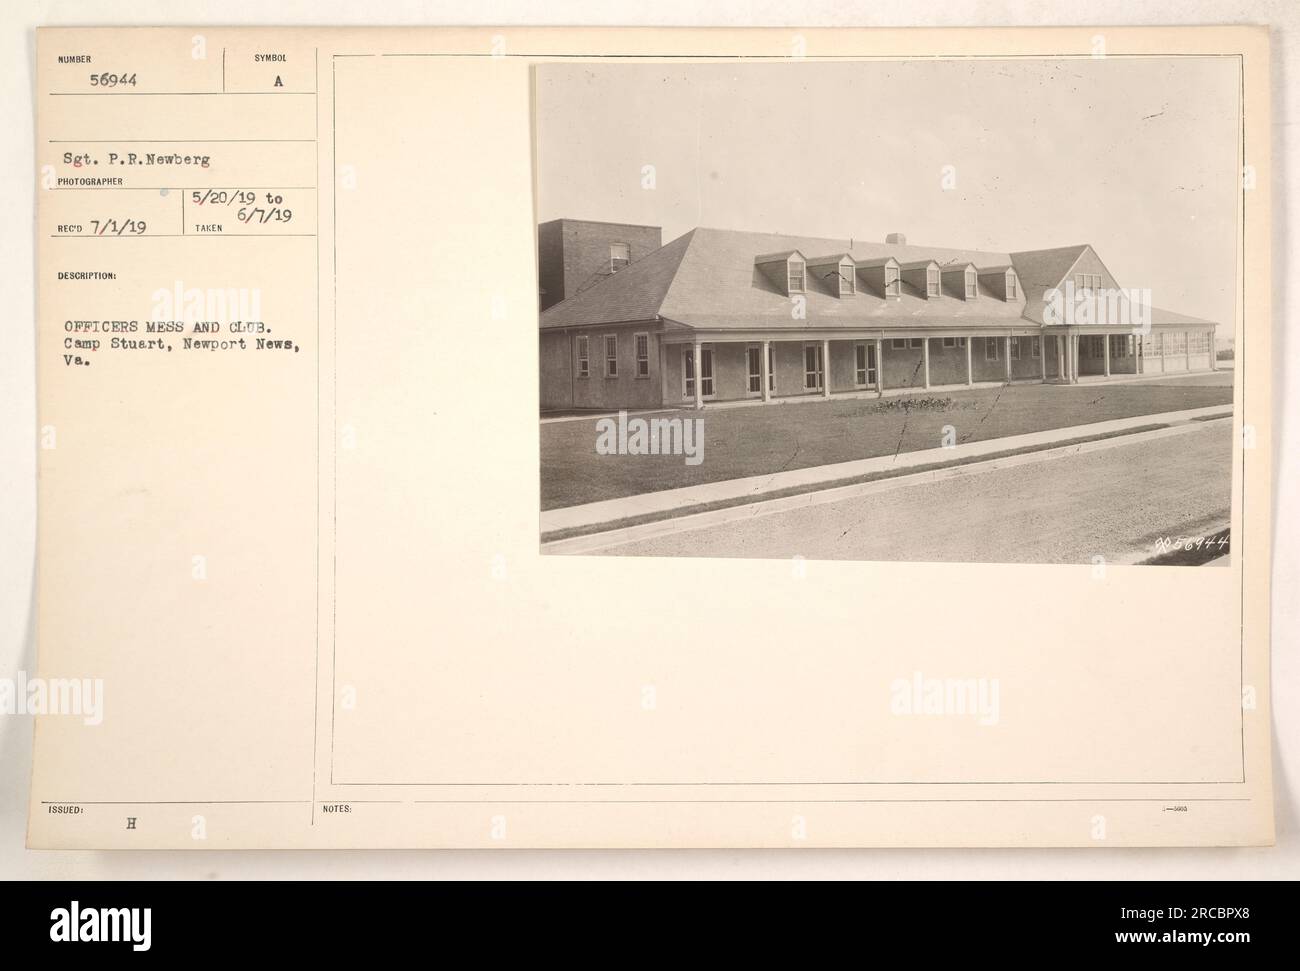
point(543, 437)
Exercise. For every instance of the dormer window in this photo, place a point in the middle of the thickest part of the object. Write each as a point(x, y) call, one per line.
point(848, 280)
point(620, 255)
point(1087, 281)
point(882, 276)
point(932, 282)
point(998, 281)
point(787, 271)
point(972, 284)
point(796, 275)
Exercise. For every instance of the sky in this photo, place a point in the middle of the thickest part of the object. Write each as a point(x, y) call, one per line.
point(1137, 156)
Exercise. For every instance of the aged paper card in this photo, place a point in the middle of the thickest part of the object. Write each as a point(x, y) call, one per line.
point(682, 438)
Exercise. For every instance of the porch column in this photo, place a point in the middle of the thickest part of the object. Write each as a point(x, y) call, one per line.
point(1006, 347)
point(970, 371)
point(1137, 353)
point(880, 366)
point(826, 369)
point(765, 371)
point(663, 372)
point(1042, 354)
point(1059, 343)
point(1105, 355)
point(699, 378)
point(1074, 358)
point(1214, 354)
point(925, 361)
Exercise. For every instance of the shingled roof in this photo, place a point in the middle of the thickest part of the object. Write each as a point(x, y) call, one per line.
point(709, 279)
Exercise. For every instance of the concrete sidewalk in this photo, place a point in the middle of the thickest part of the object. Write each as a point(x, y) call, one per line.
point(691, 498)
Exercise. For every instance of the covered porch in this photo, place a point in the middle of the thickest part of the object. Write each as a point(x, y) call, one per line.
point(726, 370)
point(1096, 352)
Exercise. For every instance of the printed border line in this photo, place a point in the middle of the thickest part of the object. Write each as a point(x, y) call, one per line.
point(776, 59)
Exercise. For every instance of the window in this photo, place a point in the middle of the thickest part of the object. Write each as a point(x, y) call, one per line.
point(847, 280)
point(932, 282)
point(642, 355)
point(950, 342)
point(754, 365)
point(972, 285)
point(961, 342)
point(812, 367)
point(620, 255)
point(1015, 348)
point(864, 365)
point(893, 286)
point(1087, 281)
point(1119, 345)
point(1180, 342)
point(991, 352)
point(1011, 289)
point(611, 355)
point(795, 277)
point(916, 342)
point(1037, 347)
point(898, 343)
point(584, 358)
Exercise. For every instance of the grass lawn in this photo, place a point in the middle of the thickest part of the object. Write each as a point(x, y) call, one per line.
point(761, 440)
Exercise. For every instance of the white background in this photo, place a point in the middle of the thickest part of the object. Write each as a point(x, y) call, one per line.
point(18, 454)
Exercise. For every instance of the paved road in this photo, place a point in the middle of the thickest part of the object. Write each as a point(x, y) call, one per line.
point(1113, 502)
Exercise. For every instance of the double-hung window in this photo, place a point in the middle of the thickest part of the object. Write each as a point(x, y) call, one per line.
point(642, 342)
point(611, 355)
point(584, 357)
point(893, 286)
point(795, 278)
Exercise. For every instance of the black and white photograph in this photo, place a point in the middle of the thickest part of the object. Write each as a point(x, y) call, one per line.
point(972, 310)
